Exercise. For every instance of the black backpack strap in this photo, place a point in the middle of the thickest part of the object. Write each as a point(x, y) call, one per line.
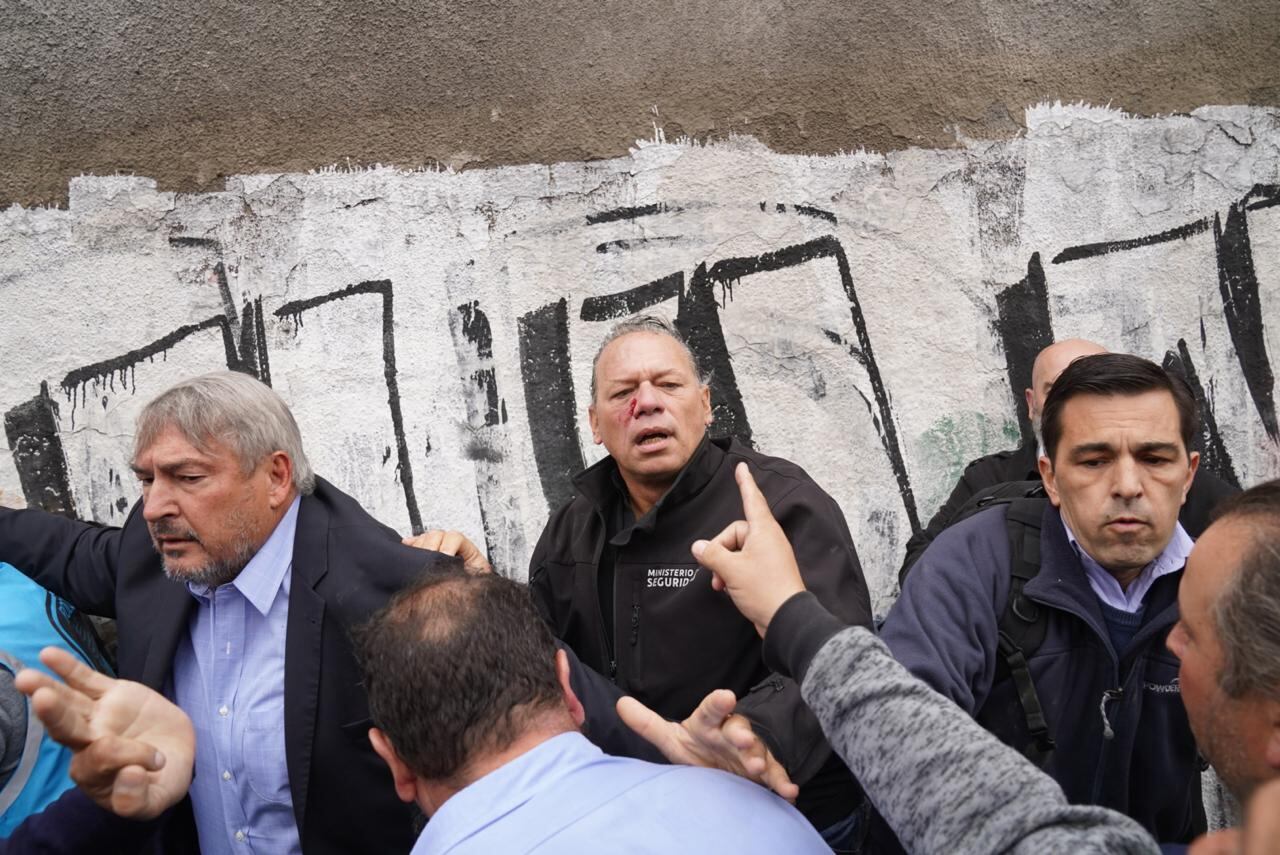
point(1023, 624)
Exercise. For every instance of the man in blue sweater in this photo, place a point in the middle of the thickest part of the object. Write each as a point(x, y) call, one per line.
point(1089, 579)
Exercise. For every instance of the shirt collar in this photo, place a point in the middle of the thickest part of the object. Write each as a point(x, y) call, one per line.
point(267, 572)
point(1170, 560)
point(486, 800)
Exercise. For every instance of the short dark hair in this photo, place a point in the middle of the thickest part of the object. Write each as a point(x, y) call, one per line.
point(1115, 374)
point(1247, 611)
point(455, 667)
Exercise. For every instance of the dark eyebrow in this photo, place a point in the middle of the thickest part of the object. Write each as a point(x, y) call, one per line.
point(1092, 448)
point(170, 467)
point(1149, 447)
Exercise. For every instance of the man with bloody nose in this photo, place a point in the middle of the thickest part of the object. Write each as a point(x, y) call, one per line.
point(613, 578)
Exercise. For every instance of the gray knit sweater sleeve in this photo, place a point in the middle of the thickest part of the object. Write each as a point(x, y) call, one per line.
point(942, 782)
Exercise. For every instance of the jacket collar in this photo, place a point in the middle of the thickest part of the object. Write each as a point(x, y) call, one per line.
point(1063, 584)
point(597, 483)
point(1027, 459)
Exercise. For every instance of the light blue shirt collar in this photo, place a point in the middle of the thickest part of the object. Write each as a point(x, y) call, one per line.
point(1170, 560)
point(505, 789)
point(264, 575)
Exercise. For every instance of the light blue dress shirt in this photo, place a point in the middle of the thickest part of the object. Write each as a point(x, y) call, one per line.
point(228, 675)
point(567, 796)
point(1170, 560)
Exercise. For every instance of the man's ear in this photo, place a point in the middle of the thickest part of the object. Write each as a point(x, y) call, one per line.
point(1026, 393)
point(1194, 460)
point(1050, 483)
point(405, 780)
point(576, 712)
point(280, 478)
point(1272, 750)
point(591, 417)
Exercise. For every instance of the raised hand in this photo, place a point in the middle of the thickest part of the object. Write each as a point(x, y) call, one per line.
point(752, 560)
point(452, 543)
point(713, 737)
point(133, 750)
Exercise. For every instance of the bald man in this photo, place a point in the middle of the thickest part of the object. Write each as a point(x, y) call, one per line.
point(1022, 463)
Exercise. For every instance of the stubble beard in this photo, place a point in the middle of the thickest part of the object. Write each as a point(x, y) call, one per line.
point(217, 570)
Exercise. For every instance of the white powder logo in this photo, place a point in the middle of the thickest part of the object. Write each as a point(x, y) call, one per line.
point(670, 577)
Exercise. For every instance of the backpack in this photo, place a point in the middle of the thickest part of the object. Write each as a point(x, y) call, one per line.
point(1023, 624)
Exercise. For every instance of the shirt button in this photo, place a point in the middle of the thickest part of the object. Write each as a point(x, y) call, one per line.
point(239, 837)
point(224, 711)
point(226, 775)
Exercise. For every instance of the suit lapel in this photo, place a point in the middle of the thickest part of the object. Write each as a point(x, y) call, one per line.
point(168, 611)
point(302, 649)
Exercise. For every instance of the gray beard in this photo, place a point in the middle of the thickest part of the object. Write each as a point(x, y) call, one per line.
point(217, 572)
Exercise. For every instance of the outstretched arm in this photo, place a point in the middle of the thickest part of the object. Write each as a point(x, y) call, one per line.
point(940, 780)
point(133, 749)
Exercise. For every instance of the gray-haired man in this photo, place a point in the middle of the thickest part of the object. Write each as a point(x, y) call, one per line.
point(235, 581)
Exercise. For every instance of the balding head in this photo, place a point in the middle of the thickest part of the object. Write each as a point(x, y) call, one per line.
point(1049, 363)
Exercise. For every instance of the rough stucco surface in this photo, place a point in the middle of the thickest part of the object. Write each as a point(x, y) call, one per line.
point(870, 316)
point(188, 93)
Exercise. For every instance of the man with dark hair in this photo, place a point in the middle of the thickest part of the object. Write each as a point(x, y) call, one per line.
point(1046, 619)
point(475, 716)
point(613, 578)
point(945, 785)
point(1022, 463)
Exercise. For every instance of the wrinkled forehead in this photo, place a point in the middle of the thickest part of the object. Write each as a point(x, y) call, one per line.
point(167, 441)
point(644, 352)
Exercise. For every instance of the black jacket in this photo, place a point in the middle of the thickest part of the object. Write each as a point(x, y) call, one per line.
point(346, 565)
point(1020, 464)
point(675, 638)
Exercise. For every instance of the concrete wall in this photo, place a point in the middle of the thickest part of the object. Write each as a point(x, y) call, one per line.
point(870, 316)
point(191, 92)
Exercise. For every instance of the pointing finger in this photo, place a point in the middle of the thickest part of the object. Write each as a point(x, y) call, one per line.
point(754, 505)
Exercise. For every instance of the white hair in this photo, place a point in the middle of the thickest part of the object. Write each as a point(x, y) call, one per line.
point(234, 409)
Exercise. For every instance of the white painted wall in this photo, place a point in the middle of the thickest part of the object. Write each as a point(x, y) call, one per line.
point(931, 236)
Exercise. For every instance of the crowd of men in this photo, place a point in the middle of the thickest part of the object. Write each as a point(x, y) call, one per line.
point(293, 677)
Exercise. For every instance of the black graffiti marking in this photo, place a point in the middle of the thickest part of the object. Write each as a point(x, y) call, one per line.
point(220, 274)
point(32, 431)
point(480, 382)
point(634, 243)
point(1089, 250)
point(253, 343)
point(1268, 197)
point(1238, 284)
point(486, 416)
point(380, 288)
point(810, 211)
point(1213, 451)
point(194, 242)
point(731, 270)
point(1025, 329)
point(698, 320)
point(608, 306)
point(549, 399)
point(124, 366)
point(635, 213)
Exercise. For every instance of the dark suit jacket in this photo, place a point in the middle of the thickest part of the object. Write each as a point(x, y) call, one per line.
point(345, 566)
